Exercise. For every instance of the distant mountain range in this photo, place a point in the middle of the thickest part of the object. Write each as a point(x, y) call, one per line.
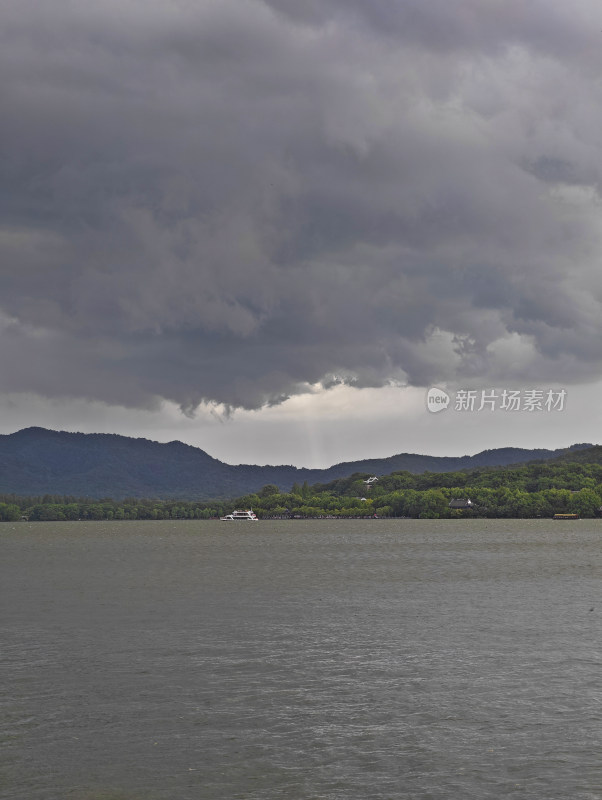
point(37, 461)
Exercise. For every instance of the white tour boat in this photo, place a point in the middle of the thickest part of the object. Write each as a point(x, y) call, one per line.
point(240, 515)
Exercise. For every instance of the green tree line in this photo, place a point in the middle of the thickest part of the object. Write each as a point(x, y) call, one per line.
point(534, 490)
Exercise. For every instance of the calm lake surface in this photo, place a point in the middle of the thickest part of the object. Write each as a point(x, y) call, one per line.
point(301, 660)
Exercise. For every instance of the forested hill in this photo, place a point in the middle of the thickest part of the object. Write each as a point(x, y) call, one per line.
point(36, 461)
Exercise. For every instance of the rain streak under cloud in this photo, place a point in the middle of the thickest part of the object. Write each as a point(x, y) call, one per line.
point(226, 201)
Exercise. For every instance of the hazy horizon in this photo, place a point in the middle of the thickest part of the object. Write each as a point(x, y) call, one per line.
point(381, 455)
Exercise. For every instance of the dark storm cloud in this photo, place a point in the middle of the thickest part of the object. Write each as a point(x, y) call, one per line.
point(473, 25)
point(228, 201)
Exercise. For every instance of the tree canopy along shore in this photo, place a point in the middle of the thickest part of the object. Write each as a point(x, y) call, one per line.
point(571, 484)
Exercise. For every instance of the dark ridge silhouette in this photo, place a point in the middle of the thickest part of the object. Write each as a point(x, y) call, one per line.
point(37, 461)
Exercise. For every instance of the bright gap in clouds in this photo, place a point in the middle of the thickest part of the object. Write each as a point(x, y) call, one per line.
point(324, 427)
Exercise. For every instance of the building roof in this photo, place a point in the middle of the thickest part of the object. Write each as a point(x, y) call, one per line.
point(461, 502)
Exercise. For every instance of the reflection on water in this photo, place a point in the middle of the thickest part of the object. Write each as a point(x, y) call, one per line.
point(300, 660)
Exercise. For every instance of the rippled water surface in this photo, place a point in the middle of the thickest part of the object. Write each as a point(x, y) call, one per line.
point(301, 660)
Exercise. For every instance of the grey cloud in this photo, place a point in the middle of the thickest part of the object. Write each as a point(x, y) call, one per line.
point(462, 25)
point(228, 202)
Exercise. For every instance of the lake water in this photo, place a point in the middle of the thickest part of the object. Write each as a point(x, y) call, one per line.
point(351, 660)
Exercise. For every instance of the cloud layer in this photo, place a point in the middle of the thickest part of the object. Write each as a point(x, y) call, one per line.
point(228, 201)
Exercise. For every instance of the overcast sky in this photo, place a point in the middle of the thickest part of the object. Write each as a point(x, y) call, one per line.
point(266, 227)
